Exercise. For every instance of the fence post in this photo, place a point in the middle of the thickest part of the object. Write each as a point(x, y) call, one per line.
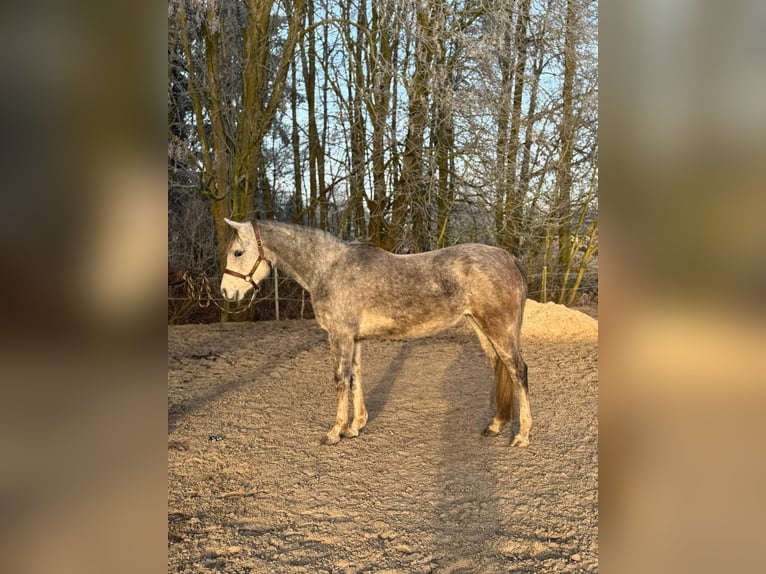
point(276, 294)
point(544, 284)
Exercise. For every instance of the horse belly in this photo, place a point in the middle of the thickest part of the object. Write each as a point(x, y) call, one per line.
point(375, 324)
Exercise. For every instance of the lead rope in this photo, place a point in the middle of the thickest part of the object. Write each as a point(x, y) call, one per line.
point(202, 294)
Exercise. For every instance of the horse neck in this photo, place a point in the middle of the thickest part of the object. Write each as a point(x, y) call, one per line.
point(303, 253)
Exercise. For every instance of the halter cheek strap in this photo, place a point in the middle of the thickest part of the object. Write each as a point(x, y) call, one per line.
point(261, 257)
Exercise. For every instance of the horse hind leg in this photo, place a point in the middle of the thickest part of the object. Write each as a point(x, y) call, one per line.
point(503, 403)
point(360, 411)
point(525, 416)
point(510, 379)
point(515, 378)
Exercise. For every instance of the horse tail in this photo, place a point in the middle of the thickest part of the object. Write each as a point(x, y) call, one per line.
point(503, 391)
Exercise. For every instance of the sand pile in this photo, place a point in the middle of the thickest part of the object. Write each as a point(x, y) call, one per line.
point(552, 321)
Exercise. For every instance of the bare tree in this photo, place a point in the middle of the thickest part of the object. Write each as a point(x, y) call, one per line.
point(252, 77)
point(411, 124)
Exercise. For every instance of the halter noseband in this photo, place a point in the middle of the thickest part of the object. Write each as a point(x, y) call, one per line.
point(261, 257)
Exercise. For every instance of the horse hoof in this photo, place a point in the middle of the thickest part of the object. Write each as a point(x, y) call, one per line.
point(490, 432)
point(330, 440)
point(520, 441)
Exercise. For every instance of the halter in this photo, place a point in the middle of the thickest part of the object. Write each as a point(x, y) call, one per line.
point(261, 257)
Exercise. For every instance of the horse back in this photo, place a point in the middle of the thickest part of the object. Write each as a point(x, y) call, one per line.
point(379, 294)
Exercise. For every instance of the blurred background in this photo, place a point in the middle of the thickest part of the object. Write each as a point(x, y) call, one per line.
point(83, 254)
point(683, 277)
point(682, 271)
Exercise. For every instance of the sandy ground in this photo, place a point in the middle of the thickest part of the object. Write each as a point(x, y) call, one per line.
point(250, 489)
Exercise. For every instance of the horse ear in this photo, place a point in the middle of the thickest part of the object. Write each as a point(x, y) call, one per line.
point(235, 225)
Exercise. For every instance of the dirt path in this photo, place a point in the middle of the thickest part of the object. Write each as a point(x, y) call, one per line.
point(419, 491)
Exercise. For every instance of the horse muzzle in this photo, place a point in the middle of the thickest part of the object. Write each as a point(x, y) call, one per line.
point(230, 295)
point(233, 294)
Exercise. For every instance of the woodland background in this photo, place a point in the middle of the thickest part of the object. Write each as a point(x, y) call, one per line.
point(410, 124)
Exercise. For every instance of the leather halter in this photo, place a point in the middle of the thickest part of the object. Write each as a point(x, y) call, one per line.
point(261, 257)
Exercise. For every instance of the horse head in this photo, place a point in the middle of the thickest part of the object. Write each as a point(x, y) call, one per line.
point(246, 263)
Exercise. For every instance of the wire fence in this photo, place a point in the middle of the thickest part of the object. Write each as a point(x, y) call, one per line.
point(193, 297)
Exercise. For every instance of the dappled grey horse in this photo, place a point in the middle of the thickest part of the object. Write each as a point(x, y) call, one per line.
point(359, 291)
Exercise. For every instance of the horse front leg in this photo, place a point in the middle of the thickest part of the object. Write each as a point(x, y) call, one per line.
point(360, 411)
point(342, 350)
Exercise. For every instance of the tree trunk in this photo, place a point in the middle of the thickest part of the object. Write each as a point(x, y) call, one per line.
point(308, 60)
point(525, 175)
point(297, 206)
point(443, 132)
point(322, 144)
point(383, 20)
point(411, 189)
point(503, 136)
point(514, 201)
point(356, 89)
point(566, 136)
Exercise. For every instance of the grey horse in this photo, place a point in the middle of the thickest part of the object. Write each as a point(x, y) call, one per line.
point(359, 292)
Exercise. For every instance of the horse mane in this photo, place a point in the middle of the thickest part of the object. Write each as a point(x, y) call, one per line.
point(293, 227)
point(299, 229)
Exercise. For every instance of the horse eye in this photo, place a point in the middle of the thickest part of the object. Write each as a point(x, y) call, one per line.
point(238, 253)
